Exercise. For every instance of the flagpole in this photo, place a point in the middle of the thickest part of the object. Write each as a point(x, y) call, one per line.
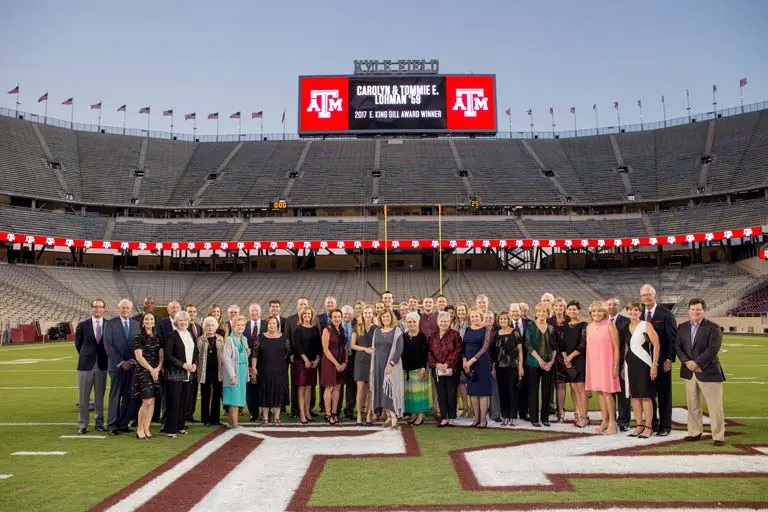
point(688, 104)
point(530, 114)
point(574, 122)
point(597, 124)
point(509, 115)
point(714, 100)
point(125, 118)
point(98, 128)
point(284, 136)
point(741, 96)
point(45, 117)
point(72, 115)
point(149, 116)
point(640, 106)
point(240, 127)
point(18, 91)
point(194, 128)
point(171, 125)
point(552, 114)
point(262, 127)
point(664, 110)
point(217, 128)
point(618, 117)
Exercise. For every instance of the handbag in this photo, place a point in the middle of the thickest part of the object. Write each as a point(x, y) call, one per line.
point(448, 372)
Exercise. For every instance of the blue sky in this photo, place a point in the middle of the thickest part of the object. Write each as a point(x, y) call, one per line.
point(195, 56)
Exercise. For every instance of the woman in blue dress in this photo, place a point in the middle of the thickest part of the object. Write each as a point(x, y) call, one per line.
point(234, 370)
point(477, 367)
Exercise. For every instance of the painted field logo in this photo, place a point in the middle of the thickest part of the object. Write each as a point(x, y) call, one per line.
point(268, 469)
point(324, 102)
point(470, 101)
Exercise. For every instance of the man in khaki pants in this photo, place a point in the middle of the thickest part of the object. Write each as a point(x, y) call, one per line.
point(698, 342)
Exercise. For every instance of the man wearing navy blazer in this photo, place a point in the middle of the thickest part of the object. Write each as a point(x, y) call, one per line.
point(665, 325)
point(624, 406)
point(91, 366)
point(119, 334)
point(698, 342)
point(164, 330)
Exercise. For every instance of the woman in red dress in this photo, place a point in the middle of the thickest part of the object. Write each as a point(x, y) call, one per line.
point(334, 365)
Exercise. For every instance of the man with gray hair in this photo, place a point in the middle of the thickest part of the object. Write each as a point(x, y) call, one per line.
point(350, 387)
point(524, 310)
point(520, 324)
point(119, 334)
point(164, 329)
point(663, 322)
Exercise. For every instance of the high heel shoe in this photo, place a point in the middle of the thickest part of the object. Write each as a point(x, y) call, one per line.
point(643, 435)
point(638, 430)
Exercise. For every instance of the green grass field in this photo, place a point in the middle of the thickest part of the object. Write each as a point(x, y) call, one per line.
point(38, 390)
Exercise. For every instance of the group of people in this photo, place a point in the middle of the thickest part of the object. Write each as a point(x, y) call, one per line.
point(383, 361)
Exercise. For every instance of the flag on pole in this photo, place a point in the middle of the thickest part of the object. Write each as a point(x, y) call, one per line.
point(214, 115)
point(257, 115)
point(616, 105)
point(742, 82)
point(594, 107)
point(662, 98)
point(122, 109)
point(639, 104)
point(508, 111)
point(573, 110)
point(42, 98)
point(168, 112)
point(282, 119)
point(551, 111)
point(144, 110)
point(235, 115)
point(96, 106)
point(15, 90)
point(714, 88)
point(530, 111)
point(68, 101)
point(193, 115)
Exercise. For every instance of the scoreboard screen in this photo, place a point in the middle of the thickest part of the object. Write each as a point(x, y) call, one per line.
point(358, 104)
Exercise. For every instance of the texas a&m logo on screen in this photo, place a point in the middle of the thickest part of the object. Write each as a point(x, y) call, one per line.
point(470, 102)
point(323, 104)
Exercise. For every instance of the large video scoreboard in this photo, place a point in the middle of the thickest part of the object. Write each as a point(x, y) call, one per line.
point(411, 104)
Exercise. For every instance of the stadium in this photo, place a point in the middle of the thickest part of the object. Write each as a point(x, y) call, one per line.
point(399, 187)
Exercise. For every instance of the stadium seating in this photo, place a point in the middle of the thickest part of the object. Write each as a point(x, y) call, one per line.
point(756, 303)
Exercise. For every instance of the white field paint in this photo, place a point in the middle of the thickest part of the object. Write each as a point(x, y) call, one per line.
point(38, 424)
point(23, 388)
point(34, 361)
point(5, 477)
point(82, 437)
point(32, 454)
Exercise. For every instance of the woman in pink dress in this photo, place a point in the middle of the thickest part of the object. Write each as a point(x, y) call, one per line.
point(603, 364)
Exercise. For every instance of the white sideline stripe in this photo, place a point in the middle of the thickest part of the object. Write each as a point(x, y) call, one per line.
point(18, 388)
point(613, 509)
point(82, 437)
point(27, 371)
point(152, 488)
point(5, 477)
point(38, 424)
point(39, 453)
point(36, 347)
point(747, 418)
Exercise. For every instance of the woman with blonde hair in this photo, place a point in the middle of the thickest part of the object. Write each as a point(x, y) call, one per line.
point(540, 347)
point(234, 370)
point(558, 321)
point(386, 378)
point(477, 366)
point(363, 345)
point(460, 324)
point(602, 371)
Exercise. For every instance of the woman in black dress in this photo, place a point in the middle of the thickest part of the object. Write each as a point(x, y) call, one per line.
point(148, 351)
point(306, 359)
point(272, 354)
point(558, 321)
point(507, 359)
point(210, 346)
point(572, 348)
point(641, 365)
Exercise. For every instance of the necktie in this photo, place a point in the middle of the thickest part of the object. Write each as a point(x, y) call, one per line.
point(649, 316)
point(693, 333)
point(194, 331)
point(98, 332)
point(126, 329)
point(255, 331)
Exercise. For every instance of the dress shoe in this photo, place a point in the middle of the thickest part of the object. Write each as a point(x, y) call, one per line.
point(692, 438)
point(545, 423)
point(191, 420)
point(113, 432)
point(663, 432)
point(623, 428)
point(82, 430)
point(535, 424)
point(100, 429)
point(719, 443)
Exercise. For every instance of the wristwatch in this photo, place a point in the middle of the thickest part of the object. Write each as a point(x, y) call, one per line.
point(391, 364)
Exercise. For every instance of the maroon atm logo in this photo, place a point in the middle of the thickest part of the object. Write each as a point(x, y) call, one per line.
point(324, 104)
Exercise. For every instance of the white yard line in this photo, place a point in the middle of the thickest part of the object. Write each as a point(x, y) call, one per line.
point(5, 477)
point(82, 437)
point(14, 388)
point(38, 453)
point(38, 424)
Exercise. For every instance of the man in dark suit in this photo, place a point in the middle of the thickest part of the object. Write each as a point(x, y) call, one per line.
point(623, 404)
point(164, 330)
point(195, 329)
point(92, 363)
point(698, 342)
point(119, 334)
point(148, 307)
point(665, 325)
point(251, 333)
point(517, 322)
point(348, 391)
point(290, 328)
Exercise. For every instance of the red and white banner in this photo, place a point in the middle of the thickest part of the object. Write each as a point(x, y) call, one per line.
point(273, 245)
